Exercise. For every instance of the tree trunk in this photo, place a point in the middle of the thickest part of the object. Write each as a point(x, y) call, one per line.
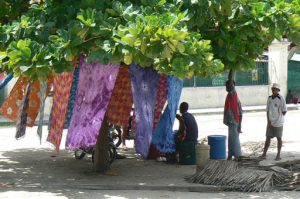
point(231, 74)
point(101, 161)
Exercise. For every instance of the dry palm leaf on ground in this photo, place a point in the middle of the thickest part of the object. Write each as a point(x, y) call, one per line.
point(237, 176)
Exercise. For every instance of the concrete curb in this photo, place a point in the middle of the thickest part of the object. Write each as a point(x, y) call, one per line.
point(246, 109)
point(200, 188)
point(185, 188)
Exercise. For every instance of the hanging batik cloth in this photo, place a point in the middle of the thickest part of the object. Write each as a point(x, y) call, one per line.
point(119, 107)
point(11, 106)
point(161, 98)
point(2, 75)
point(163, 136)
point(61, 91)
point(72, 97)
point(4, 79)
point(42, 94)
point(34, 103)
point(95, 85)
point(144, 89)
point(23, 113)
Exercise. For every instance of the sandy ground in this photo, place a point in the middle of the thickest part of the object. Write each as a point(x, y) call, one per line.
point(28, 162)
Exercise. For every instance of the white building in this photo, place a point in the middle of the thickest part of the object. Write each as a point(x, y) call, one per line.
point(213, 97)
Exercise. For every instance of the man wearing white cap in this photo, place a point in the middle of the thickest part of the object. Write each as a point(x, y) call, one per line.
point(276, 109)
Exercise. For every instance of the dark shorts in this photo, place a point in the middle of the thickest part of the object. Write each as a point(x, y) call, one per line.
point(274, 131)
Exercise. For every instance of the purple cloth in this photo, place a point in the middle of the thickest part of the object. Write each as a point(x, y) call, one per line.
point(144, 89)
point(95, 85)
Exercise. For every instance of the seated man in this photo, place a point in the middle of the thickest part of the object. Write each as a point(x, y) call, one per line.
point(188, 128)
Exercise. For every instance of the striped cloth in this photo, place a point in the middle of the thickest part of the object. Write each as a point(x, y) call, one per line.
point(22, 117)
point(72, 97)
point(42, 94)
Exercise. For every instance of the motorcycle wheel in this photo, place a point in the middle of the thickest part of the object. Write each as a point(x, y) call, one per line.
point(79, 154)
point(116, 135)
point(112, 152)
point(93, 154)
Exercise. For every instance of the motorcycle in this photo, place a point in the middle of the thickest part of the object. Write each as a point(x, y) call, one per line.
point(112, 149)
point(116, 133)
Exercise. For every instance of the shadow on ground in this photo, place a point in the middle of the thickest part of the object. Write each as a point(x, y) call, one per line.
point(31, 169)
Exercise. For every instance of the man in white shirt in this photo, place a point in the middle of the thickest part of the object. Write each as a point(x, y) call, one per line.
point(276, 109)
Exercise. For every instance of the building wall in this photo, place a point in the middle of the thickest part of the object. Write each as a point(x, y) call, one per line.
point(214, 97)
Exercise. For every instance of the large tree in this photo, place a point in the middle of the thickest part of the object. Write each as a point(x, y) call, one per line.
point(240, 30)
point(181, 38)
point(150, 33)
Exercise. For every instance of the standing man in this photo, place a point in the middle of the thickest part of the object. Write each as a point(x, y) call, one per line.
point(233, 119)
point(276, 109)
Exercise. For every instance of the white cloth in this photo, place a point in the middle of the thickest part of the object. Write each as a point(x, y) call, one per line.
point(275, 108)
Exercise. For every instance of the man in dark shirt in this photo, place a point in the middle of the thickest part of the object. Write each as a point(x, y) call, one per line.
point(188, 128)
point(187, 132)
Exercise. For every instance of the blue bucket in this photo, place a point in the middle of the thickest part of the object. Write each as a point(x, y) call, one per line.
point(217, 147)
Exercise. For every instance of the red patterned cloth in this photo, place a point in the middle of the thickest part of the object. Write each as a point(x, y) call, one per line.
point(35, 101)
point(2, 76)
point(161, 98)
point(12, 105)
point(118, 110)
point(61, 91)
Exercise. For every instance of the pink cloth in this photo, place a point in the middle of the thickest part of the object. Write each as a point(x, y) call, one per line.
point(95, 85)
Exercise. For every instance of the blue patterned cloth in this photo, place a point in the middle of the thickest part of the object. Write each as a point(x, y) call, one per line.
point(163, 136)
point(144, 89)
point(72, 97)
point(5, 81)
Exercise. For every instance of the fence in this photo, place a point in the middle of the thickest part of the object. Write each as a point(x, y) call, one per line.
point(255, 76)
point(294, 75)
